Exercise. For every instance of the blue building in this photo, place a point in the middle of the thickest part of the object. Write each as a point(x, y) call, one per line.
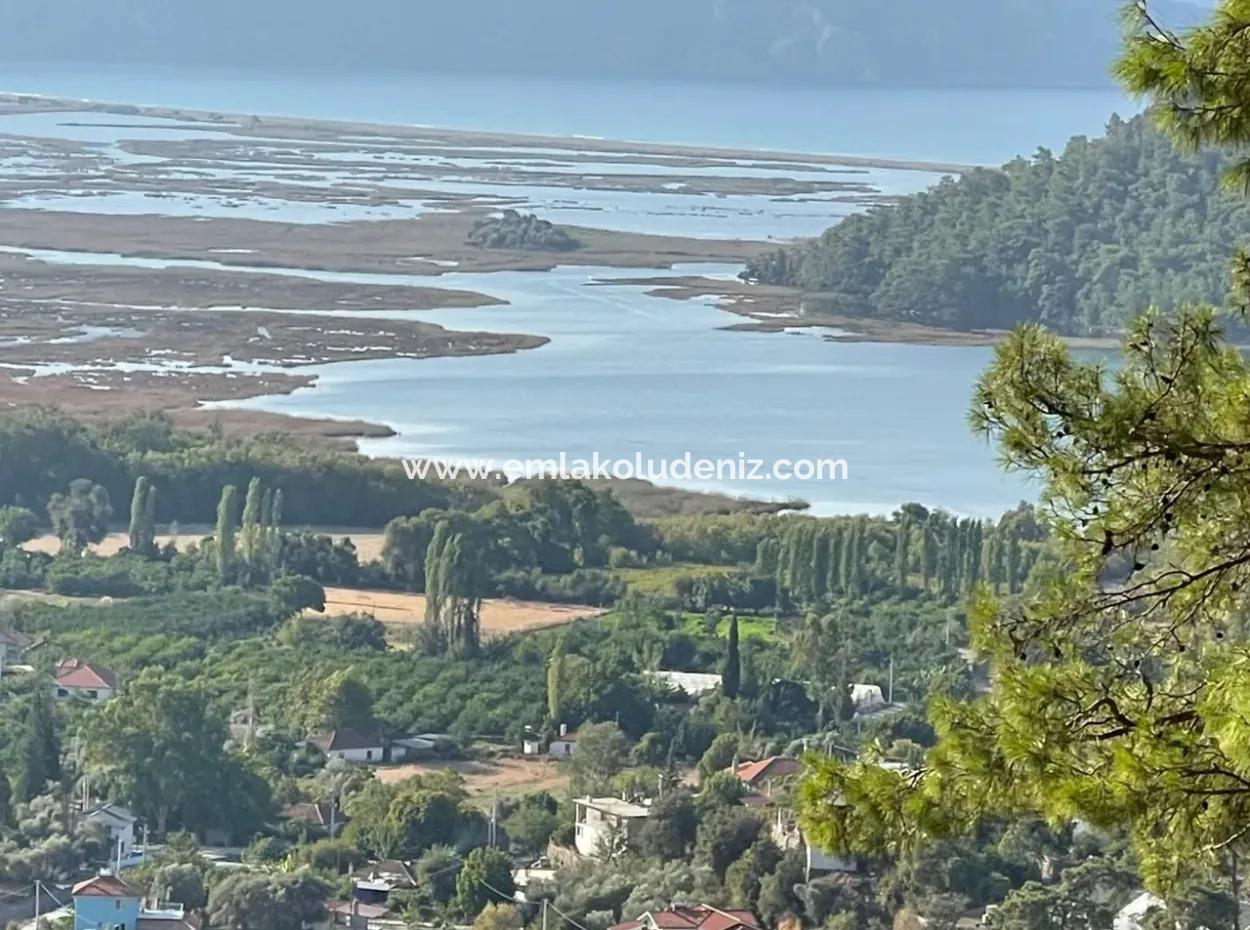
point(106, 902)
point(109, 902)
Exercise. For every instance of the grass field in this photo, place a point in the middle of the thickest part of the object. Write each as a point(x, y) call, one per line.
point(499, 616)
point(657, 581)
point(764, 628)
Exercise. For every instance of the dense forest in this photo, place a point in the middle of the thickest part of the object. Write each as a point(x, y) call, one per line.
point(1080, 241)
point(899, 42)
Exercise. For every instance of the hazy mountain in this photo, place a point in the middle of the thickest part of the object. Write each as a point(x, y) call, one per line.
point(980, 42)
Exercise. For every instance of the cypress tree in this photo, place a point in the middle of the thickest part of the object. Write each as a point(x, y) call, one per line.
point(39, 749)
point(731, 676)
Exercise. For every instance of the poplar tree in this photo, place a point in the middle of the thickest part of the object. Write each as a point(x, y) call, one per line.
point(251, 530)
point(142, 517)
point(902, 534)
point(227, 510)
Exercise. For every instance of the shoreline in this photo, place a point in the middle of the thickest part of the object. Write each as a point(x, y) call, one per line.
point(34, 103)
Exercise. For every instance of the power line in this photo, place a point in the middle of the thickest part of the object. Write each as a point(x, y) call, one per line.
point(512, 900)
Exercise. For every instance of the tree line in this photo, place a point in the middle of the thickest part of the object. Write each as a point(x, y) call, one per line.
point(1079, 241)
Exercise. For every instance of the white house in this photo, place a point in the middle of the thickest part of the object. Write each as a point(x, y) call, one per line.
point(563, 745)
point(602, 822)
point(84, 681)
point(355, 745)
point(119, 827)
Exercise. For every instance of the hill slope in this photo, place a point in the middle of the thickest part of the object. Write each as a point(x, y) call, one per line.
point(1079, 242)
point(974, 42)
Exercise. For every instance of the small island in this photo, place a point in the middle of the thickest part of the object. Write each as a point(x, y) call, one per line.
point(524, 231)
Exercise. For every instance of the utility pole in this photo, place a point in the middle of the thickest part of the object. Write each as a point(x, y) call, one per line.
point(544, 914)
point(36, 904)
point(1236, 889)
point(891, 696)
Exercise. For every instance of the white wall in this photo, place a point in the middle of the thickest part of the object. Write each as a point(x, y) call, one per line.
point(376, 754)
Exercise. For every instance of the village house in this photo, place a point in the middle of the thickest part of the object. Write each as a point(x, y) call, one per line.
point(563, 745)
point(762, 777)
point(109, 902)
point(373, 883)
point(353, 745)
point(372, 746)
point(316, 814)
point(119, 827)
point(535, 743)
point(698, 917)
point(600, 824)
point(360, 916)
point(83, 681)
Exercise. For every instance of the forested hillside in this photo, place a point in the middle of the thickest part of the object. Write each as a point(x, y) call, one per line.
point(971, 42)
point(1079, 242)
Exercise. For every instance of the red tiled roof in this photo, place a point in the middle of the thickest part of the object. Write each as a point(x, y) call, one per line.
point(74, 673)
point(105, 886)
point(772, 767)
point(702, 917)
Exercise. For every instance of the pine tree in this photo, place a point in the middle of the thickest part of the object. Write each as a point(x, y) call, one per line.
point(731, 676)
point(227, 509)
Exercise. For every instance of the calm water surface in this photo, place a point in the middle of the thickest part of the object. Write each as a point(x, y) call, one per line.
point(629, 373)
